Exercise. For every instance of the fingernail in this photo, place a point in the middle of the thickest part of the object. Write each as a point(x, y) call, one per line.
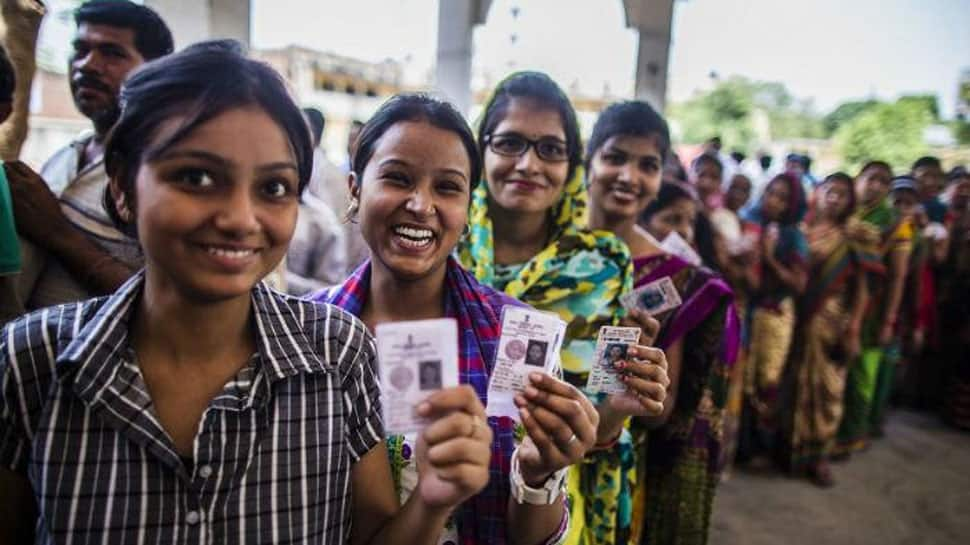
point(519, 400)
point(424, 408)
point(524, 413)
point(531, 391)
point(535, 377)
point(618, 364)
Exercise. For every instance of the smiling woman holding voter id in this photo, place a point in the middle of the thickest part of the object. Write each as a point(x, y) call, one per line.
point(627, 149)
point(485, 479)
point(528, 239)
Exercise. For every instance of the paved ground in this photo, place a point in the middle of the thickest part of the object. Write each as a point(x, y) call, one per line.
point(911, 488)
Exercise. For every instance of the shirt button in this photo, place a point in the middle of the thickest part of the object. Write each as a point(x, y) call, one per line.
point(205, 471)
point(192, 517)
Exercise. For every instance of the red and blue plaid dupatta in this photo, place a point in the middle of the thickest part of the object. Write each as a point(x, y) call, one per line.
point(478, 310)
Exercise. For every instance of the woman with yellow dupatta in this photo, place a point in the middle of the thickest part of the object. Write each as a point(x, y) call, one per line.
point(527, 239)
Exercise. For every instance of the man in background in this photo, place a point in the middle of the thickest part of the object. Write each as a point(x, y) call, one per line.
point(317, 257)
point(71, 249)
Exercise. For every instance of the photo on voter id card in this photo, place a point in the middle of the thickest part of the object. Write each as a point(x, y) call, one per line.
point(535, 353)
point(430, 374)
point(613, 354)
point(612, 346)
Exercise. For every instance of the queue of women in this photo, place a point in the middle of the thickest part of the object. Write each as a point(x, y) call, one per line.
point(196, 404)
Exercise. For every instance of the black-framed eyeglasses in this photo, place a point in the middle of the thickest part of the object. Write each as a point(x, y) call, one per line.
point(548, 148)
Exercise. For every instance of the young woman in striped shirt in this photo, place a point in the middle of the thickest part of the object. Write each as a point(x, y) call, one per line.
point(195, 405)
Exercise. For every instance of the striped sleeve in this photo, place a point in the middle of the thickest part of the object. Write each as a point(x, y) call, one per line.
point(14, 420)
point(361, 389)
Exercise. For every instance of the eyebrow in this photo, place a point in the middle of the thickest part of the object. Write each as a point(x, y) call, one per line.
point(399, 162)
point(616, 149)
point(221, 161)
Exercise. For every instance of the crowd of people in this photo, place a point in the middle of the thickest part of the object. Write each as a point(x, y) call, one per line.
point(157, 381)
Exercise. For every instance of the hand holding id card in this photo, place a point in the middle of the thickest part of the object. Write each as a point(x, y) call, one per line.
point(611, 347)
point(654, 298)
point(530, 342)
point(415, 360)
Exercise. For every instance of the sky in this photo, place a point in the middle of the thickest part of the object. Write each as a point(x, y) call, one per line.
point(825, 50)
point(828, 51)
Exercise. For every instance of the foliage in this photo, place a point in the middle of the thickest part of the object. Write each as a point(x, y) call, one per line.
point(845, 113)
point(890, 132)
point(745, 114)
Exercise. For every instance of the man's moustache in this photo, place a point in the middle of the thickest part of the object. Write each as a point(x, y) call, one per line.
point(93, 83)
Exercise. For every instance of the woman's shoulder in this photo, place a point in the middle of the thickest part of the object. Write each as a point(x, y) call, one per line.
point(31, 344)
point(331, 329)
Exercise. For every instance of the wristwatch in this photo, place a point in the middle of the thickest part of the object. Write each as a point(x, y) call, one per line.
point(546, 495)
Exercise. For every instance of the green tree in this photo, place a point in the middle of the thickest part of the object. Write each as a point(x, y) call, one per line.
point(844, 113)
point(733, 108)
point(890, 132)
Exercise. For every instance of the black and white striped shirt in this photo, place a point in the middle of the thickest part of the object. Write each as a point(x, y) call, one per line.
point(272, 457)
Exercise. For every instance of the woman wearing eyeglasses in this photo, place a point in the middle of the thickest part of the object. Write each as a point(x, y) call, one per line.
point(527, 239)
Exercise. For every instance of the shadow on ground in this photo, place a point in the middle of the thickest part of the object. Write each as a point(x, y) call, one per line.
point(910, 488)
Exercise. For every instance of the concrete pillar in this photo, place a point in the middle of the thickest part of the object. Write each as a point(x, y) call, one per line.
point(457, 20)
point(453, 70)
point(196, 20)
point(652, 55)
point(652, 19)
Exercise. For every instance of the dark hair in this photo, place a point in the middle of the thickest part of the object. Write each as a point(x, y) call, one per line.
point(317, 122)
point(629, 118)
point(415, 107)
point(842, 177)
point(8, 77)
point(674, 168)
point(670, 192)
point(957, 173)
point(877, 164)
point(764, 160)
point(196, 84)
point(153, 39)
point(704, 235)
point(927, 161)
point(542, 89)
point(706, 158)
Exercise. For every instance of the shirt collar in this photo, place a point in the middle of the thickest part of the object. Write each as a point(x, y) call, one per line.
point(93, 353)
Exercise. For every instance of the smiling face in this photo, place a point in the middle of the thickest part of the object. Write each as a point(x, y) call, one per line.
point(103, 56)
point(526, 184)
point(216, 210)
point(624, 175)
point(414, 196)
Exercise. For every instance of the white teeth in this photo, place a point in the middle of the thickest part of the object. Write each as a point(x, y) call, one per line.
point(413, 234)
point(231, 254)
